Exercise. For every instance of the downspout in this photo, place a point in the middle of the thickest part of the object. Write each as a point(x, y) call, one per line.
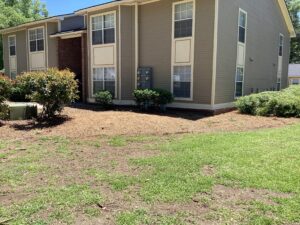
point(120, 55)
point(136, 41)
point(215, 55)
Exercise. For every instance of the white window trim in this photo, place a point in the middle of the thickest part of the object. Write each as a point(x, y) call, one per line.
point(244, 45)
point(90, 32)
point(192, 38)
point(280, 57)
point(9, 56)
point(44, 39)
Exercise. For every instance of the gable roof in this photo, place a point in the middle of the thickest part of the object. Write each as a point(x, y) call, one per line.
point(282, 5)
point(294, 70)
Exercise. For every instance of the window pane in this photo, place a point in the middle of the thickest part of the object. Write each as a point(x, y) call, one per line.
point(239, 89)
point(97, 37)
point(98, 74)
point(242, 21)
point(240, 74)
point(97, 23)
point(97, 86)
point(280, 51)
point(40, 45)
point(13, 75)
point(33, 46)
point(182, 81)
point(109, 21)
point(109, 36)
point(182, 89)
point(12, 41)
point(12, 50)
point(40, 34)
point(109, 74)
point(32, 35)
point(242, 36)
point(184, 11)
point(184, 28)
point(110, 86)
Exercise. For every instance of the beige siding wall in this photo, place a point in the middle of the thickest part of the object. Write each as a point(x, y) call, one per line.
point(52, 45)
point(265, 22)
point(155, 45)
point(21, 51)
point(127, 51)
point(5, 54)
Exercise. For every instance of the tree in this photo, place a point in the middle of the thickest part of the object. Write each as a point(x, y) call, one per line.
point(294, 8)
point(15, 12)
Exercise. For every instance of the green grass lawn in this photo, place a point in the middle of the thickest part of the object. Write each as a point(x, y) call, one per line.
point(63, 179)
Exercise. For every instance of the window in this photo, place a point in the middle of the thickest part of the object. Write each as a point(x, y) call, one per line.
point(36, 40)
point(13, 75)
point(241, 51)
point(12, 45)
point(182, 81)
point(278, 85)
point(104, 79)
point(281, 39)
point(103, 29)
point(295, 81)
point(242, 26)
point(239, 82)
point(183, 20)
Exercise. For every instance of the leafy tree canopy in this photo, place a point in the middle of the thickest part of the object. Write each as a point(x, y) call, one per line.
point(294, 8)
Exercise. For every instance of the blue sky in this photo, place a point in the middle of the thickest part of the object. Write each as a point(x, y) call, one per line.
point(57, 7)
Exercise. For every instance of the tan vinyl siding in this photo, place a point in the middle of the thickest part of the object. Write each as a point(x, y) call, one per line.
point(155, 45)
point(265, 23)
point(52, 45)
point(21, 51)
point(5, 54)
point(128, 51)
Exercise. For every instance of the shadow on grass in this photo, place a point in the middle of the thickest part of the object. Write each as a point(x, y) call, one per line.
point(171, 112)
point(41, 124)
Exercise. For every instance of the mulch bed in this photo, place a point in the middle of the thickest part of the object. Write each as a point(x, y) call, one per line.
point(87, 123)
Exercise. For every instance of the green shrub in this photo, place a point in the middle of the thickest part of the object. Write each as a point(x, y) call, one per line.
point(5, 87)
point(164, 97)
point(51, 88)
point(104, 98)
point(285, 103)
point(145, 98)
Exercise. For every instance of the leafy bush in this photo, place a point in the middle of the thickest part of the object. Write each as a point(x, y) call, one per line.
point(145, 98)
point(285, 103)
point(51, 88)
point(104, 98)
point(5, 87)
point(164, 97)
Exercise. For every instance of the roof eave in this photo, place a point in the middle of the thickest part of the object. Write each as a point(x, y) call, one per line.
point(23, 26)
point(287, 18)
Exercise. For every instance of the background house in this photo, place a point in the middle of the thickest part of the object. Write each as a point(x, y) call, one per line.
point(294, 74)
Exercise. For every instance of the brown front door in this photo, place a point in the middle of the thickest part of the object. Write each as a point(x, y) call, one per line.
point(70, 57)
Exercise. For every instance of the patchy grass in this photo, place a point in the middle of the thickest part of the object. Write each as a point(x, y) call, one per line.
point(224, 178)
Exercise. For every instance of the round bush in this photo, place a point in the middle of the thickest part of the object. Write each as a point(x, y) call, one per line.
point(164, 97)
point(51, 88)
point(104, 98)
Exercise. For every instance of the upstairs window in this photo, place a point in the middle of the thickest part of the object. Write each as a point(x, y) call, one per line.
point(12, 45)
point(242, 27)
point(103, 29)
point(36, 40)
point(281, 39)
point(183, 20)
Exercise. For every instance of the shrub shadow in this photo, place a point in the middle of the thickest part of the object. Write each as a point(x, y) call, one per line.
point(40, 124)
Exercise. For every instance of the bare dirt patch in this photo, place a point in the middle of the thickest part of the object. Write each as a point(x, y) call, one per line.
point(83, 123)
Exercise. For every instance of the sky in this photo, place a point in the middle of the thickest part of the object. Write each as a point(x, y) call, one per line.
point(58, 7)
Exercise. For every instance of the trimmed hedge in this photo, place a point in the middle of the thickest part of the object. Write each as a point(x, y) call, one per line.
point(5, 87)
point(285, 103)
point(152, 97)
point(104, 98)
